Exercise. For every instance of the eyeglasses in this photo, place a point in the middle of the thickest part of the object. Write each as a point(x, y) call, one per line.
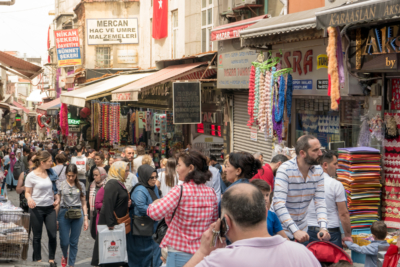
point(153, 177)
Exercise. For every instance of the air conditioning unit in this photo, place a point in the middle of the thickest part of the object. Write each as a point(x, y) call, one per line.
point(227, 6)
point(244, 2)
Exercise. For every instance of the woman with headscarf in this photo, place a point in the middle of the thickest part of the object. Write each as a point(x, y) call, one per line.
point(116, 199)
point(142, 250)
point(11, 182)
point(99, 175)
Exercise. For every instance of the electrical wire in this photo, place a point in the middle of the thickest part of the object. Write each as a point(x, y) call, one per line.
point(26, 9)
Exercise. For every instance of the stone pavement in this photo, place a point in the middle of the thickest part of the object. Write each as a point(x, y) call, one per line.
point(85, 247)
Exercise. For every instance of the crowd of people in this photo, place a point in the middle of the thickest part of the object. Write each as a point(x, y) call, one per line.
point(239, 213)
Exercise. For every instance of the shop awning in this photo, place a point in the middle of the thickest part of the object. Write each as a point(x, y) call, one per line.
point(42, 109)
point(175, 72)
point(100, 89)
point(358, 12)
point(19, 66)
point(18, 105)
point(231, 30)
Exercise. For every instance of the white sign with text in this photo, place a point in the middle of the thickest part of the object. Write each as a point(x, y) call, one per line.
point(112, 31)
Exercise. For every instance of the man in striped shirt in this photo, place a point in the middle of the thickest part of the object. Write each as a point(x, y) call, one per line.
point(297, 182)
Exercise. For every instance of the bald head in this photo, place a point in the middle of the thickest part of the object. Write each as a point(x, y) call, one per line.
point(245, 204)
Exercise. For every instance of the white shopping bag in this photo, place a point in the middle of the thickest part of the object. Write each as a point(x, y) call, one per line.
point(112, 244)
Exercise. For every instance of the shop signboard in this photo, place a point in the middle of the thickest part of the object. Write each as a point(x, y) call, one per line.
point(234, 65)
point(308, 61)
point(68, 48)
point(112, 31)
point(186, 102)
point(357, 13)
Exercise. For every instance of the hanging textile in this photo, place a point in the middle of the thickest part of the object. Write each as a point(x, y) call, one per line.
point(289, 94)
point(250, 104)
point(256, 93)
point(333, 73)
point(280, 97)
point(64, 119)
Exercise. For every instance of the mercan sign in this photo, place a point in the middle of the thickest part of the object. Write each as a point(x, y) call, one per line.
point(112, 31)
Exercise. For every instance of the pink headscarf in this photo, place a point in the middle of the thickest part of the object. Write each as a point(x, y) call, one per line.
point(12, 162)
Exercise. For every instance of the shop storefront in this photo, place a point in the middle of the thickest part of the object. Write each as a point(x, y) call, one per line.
point(371, 54)
point(165, 111)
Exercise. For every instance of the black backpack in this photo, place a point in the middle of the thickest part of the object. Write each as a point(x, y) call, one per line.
point(18, 169)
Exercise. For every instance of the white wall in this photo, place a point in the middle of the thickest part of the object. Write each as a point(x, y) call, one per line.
point(65, 6)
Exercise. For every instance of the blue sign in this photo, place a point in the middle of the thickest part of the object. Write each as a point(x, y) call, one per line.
point(302, 84)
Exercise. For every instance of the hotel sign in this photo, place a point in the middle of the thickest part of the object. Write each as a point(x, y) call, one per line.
point(358, 12)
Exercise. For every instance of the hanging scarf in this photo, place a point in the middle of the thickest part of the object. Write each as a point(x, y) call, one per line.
point(94, 188)
point(280, 106)
point(145, 172)
point(289, 93)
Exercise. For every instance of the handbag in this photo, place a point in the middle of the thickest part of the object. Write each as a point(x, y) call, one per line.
point(142, 226)
point(125, 220)
point(72, 213)
point(162, 226)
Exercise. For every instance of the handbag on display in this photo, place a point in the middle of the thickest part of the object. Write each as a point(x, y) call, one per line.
point(162, 226)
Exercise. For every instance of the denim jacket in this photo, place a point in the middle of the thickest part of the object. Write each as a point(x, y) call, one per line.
point(53, 178)
point(141, 200)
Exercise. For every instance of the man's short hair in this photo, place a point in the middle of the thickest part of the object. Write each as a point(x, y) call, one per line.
point(257, 155)
point(213, 158)
point(140, 150)
point(245, 207)
point(303, 143)
point(328, 156)
point(378, 229)
point(79, 148)
point(279, 158)
point(128, 147)
point(26, 150)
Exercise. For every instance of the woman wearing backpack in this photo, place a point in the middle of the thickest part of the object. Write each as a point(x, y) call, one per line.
point(23, 203)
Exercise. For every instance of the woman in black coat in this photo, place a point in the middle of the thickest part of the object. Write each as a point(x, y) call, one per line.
point(116, 199)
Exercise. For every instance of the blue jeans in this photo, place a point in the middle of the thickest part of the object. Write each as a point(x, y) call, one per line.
point(178, 259)
point(336, 238)
point(70, 231)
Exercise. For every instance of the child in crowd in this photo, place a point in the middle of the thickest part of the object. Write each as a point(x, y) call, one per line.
point(379, 232)
point(273, 224)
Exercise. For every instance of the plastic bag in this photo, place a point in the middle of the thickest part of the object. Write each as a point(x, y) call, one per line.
point(112, 244)
point(392, 257)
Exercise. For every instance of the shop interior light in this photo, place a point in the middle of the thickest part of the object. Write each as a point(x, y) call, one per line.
point(200, 128)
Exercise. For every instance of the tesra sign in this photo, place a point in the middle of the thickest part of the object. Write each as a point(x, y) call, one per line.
point(112, 31)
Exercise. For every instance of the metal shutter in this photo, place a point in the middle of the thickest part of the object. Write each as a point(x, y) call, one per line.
point(241, 132)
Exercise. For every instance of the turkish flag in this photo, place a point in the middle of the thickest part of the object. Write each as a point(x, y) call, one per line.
point(160, 19)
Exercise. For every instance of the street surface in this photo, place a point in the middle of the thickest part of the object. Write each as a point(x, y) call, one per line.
point(85, 247)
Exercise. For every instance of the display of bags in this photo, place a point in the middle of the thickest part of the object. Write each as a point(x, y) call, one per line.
point(112, 244)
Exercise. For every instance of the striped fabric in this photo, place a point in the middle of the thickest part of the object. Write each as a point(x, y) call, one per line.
point(292, 196)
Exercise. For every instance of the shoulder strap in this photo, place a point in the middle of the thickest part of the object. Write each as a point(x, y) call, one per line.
point(180, 196)
point(61, 171)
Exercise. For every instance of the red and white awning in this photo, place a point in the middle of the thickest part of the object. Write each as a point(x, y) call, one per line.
point(232, 30)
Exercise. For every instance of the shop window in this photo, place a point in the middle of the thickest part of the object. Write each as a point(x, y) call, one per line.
point(174, 23)
point(333, 129)
point(206, 25)
point(102, 57)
